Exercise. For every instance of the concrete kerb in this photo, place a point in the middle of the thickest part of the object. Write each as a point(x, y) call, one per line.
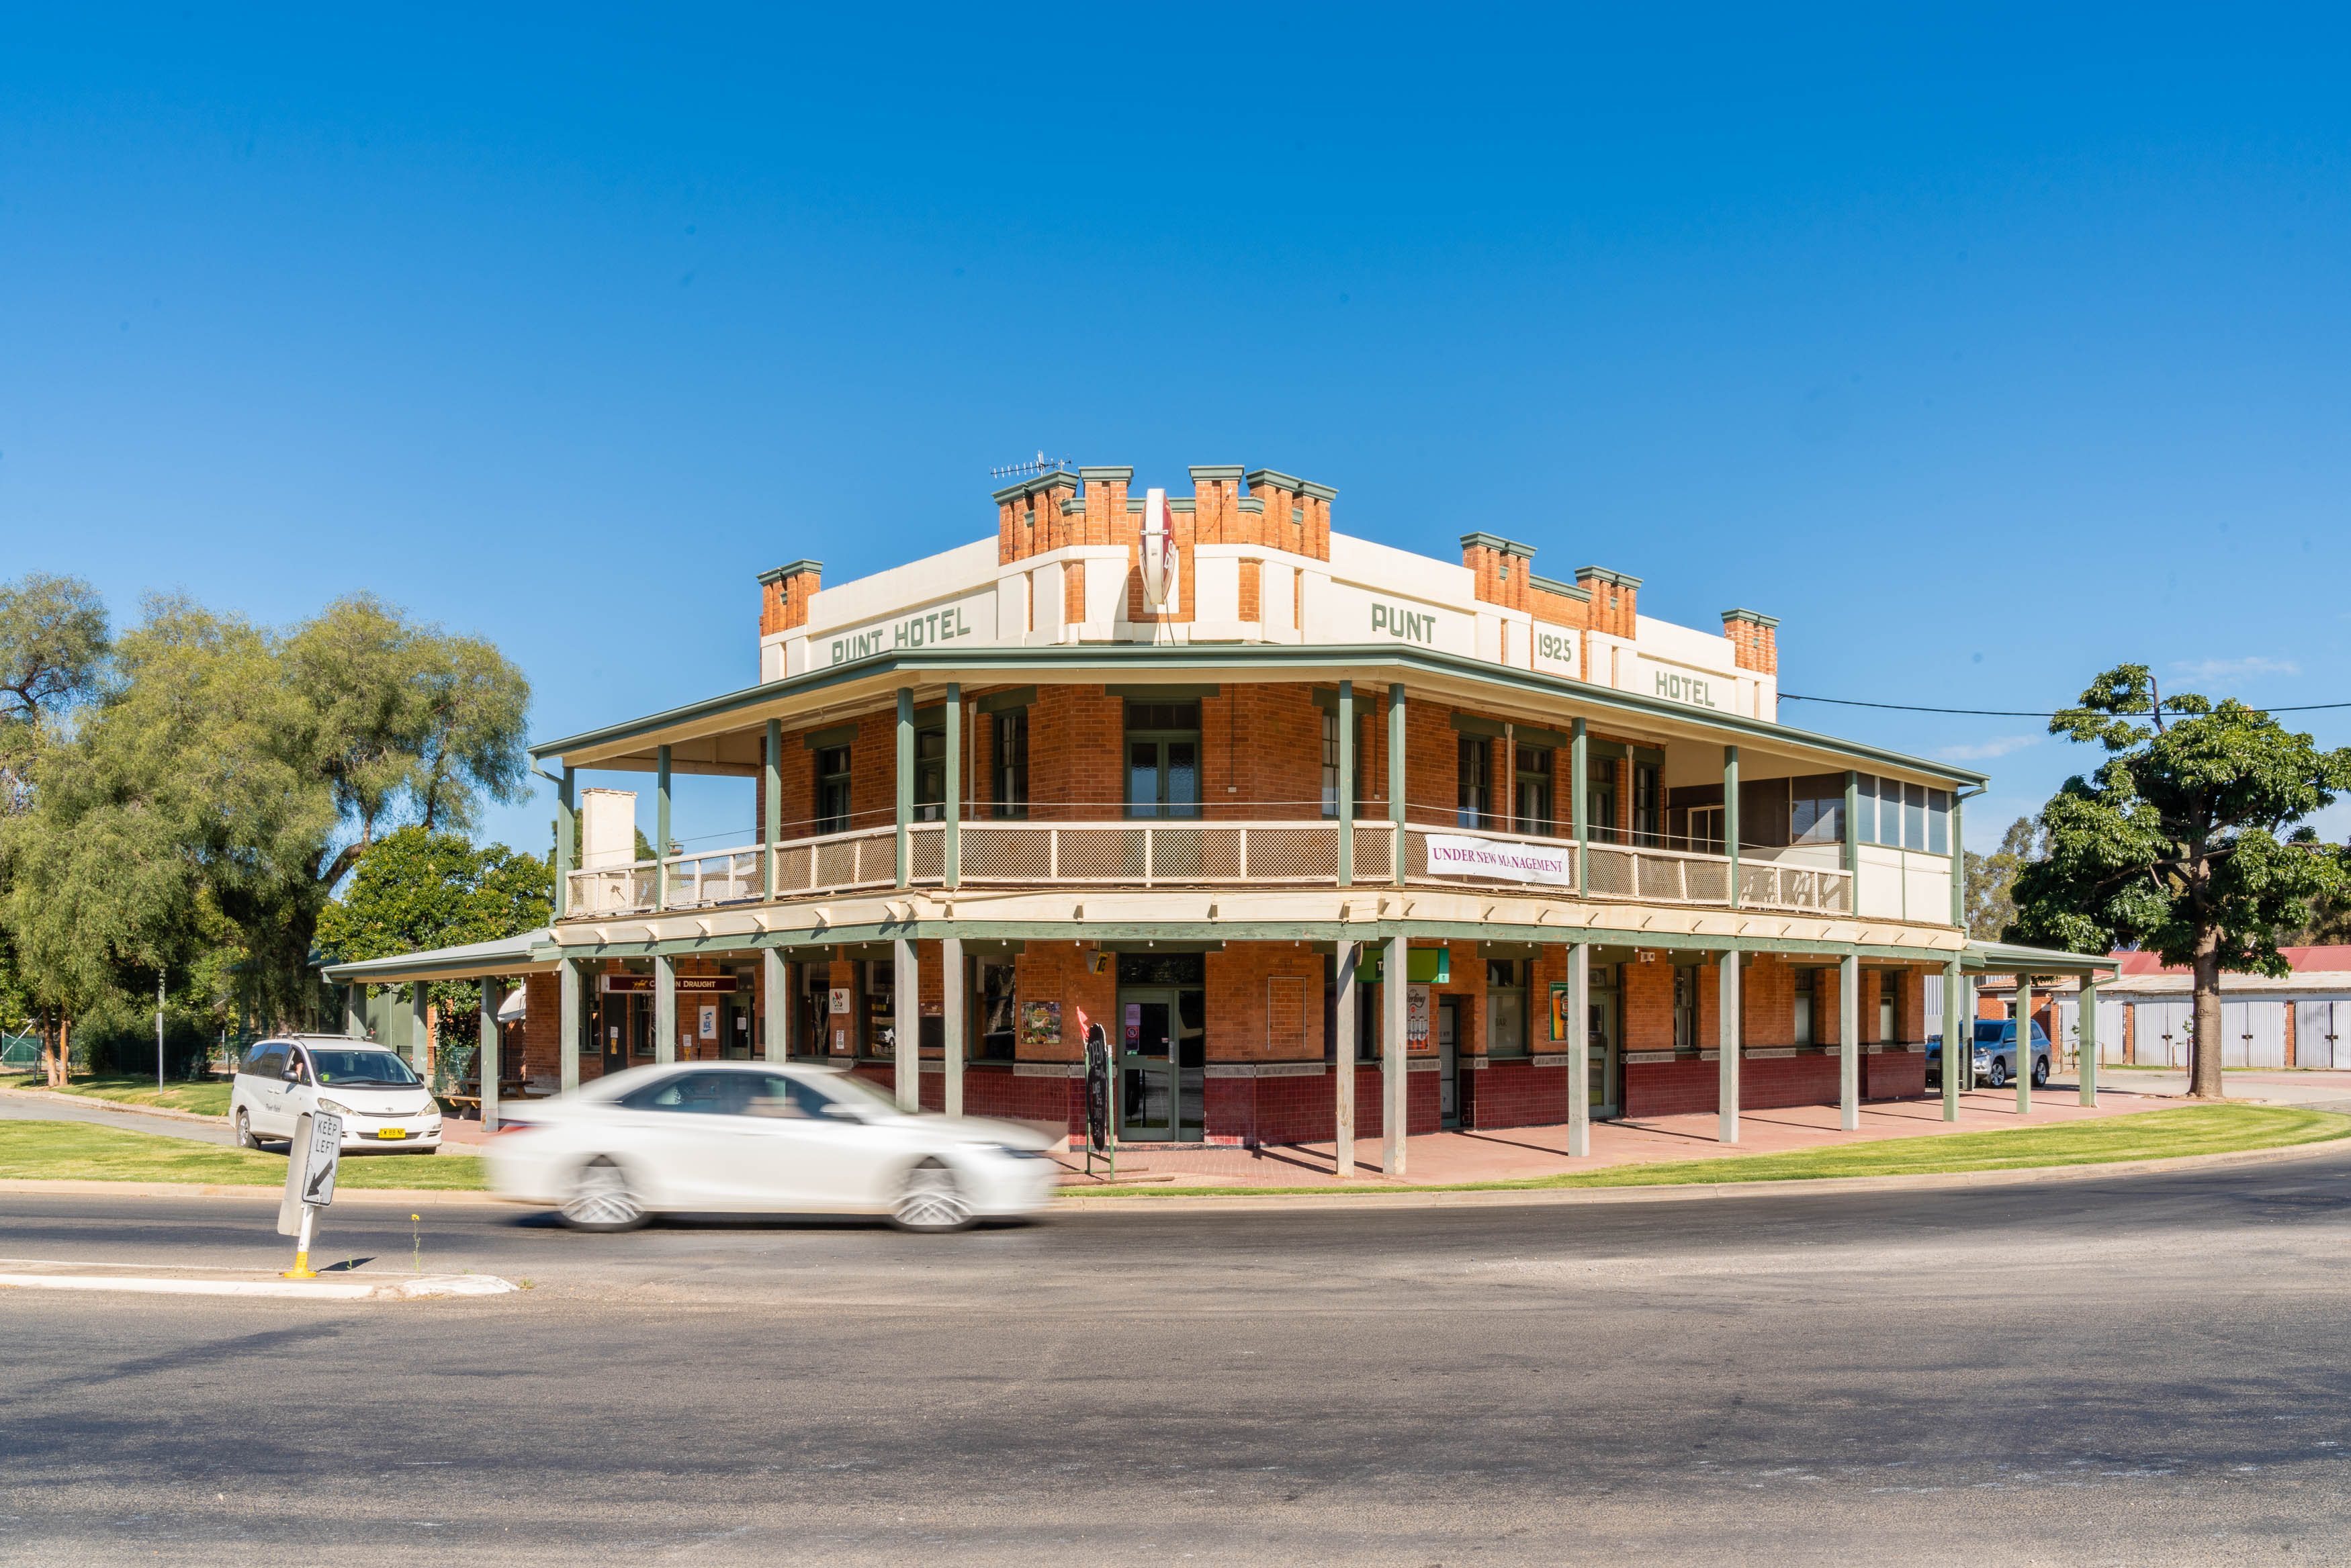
point(91, 1102)
point(222, 1283)
point(1406, 1198)
point(1067, 1202)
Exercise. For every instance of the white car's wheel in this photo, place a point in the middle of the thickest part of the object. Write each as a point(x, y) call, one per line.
point(931, 1199)
point(244, 1138)
point(601, 1200)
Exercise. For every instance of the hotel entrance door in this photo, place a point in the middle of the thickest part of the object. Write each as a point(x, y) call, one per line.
point(1163, 1053)
point(1162, 1039)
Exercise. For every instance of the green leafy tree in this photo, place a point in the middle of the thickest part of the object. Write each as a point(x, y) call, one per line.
point(2183, 842)
point(1991, 880)
point(53, 651)
point(53, 646)
point(417, 889)
point(228, 765)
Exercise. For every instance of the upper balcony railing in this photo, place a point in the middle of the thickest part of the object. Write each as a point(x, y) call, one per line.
point(1186, 854)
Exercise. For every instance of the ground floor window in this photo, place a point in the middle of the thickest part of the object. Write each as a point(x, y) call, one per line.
point(1000, 1011)
point(1506, 1007)
point(1685, 1007)
point(1806, 992)
point(880, 1003)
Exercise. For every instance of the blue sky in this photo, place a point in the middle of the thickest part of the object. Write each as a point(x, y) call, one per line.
point(1985, 347)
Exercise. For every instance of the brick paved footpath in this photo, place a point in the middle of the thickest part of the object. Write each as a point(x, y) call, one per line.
point(1514, 1153)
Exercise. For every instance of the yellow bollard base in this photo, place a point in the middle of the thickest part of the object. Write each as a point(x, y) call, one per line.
point(301, 1269)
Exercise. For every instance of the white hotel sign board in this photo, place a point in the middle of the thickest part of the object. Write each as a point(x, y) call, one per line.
point(1707, 690)
point(970, 619)
point(1555, 649)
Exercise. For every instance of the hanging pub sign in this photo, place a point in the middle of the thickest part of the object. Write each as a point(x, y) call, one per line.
point(687, 984)
point(1158, 553)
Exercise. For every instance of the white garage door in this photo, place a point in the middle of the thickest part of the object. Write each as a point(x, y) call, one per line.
point(2110, 1028)
point(2159, 1033)
point(2321, 1034)
point(2253, 1033)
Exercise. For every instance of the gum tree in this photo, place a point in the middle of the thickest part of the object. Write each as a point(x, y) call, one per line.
point(2183, 842)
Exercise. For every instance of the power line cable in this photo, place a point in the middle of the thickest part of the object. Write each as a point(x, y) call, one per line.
point(2020, 713)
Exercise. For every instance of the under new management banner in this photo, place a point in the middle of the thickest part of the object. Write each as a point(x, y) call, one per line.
point(1449, 855)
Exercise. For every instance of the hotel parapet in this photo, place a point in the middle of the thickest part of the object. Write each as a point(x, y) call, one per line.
point(1332, 839)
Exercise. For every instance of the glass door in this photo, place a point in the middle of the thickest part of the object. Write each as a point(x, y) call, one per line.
point(1163, 1056)
point(1448, 1064)
point(1599, 1052)
point(1146, 1086)
point(1163, 760)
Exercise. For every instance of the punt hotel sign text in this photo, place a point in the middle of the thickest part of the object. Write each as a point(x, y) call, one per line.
point(946, 625)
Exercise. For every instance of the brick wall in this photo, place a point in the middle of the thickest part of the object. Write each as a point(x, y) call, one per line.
point(1514, 1094)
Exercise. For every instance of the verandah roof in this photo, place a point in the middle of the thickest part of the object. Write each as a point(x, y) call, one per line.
point(629, 746)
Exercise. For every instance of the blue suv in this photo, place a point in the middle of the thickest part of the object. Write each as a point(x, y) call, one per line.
point(1995, 1055)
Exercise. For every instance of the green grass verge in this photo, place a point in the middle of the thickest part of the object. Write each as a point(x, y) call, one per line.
point(2151, 1135)
point(69, 1151)
point(205, 1099)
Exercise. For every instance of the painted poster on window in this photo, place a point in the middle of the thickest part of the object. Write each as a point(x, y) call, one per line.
point(1041, 1023)
point(1417, 1039)
point(706, 1021)
point(1562, 1011)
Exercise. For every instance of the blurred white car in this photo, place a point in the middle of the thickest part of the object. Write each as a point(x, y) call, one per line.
point(733, 1137)
point(384, 1104)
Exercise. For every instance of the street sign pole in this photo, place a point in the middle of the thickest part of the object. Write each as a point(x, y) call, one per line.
point(310, 1162)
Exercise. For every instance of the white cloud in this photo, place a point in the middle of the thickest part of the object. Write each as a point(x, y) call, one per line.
point(1998, 746)
point(2226, 672)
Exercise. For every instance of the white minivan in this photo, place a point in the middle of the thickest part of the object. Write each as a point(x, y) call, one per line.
point(384, 1104)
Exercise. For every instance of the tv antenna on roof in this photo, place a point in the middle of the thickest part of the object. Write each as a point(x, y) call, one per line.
point(1040, 463)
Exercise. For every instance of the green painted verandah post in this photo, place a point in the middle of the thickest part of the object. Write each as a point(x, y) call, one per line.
point(906, 783)
point(951, 864)
point(565, 828)
point(1959, 1035)
point(1579, 783)
point(661, 827)
point(2085, 1041)
point(1346, 784)
point(1731, 818)
point(1851, 836)
point(2022, 1062)
point(771, 806)
point(1400, 754)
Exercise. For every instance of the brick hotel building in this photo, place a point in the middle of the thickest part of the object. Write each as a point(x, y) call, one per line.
point(1335, 839)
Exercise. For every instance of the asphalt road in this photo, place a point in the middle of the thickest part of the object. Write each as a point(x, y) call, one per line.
point(2138, 1370)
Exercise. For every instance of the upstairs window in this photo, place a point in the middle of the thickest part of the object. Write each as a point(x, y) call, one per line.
point(1648, 797)
point(930, 774)
point(833, 790)
point(1474, 793)
point(1009, 765)
point(1163, 760)
point(1816, 809)
point(1600, 801)
point(1531, 803)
